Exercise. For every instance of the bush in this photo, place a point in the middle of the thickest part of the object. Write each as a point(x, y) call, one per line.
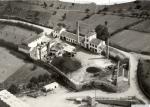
point(93, 69)
point(66, 64)
point(13, 89)
point(54, 13)
point(87, 10)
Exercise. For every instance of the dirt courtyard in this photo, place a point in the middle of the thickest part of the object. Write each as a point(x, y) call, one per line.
point(88, 59)
point(9, 64)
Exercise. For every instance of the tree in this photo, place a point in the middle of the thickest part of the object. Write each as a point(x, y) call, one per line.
point(64, 17)
point(46, 77)
point(13, 89)
point(54, 13)
point(45, 5)
point(34, 80)
point(61, 25)
point(73, 4)
point(102, 33)
point(51, 5)
point(105, 8)
point(41, 78)
point(87, 10)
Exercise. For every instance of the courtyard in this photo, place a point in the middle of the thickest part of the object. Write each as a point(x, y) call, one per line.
point(89, 59)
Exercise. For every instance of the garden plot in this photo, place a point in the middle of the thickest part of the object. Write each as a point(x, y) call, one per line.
point(9, 64)
point(15, 34)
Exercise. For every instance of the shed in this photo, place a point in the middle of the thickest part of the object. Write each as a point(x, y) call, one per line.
point(50, 86)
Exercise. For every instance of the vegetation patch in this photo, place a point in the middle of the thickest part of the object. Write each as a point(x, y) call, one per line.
point(93, 70)
point(66, 64)
point(144, 76)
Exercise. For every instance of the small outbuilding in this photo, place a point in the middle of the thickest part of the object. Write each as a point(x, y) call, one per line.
point(50, 87)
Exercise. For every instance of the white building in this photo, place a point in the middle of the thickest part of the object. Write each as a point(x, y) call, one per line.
point(69, 37)
point(57, 31)
point(9, 100)
point(97, 45)
point(50, 87)
point(35, 46)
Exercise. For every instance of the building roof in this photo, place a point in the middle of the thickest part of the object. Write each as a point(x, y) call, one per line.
point(24, 47)
point(51, 85)
point(32, 38)
point(11, 100)
point(95, 41)
point(69, 35)
point(69, 48)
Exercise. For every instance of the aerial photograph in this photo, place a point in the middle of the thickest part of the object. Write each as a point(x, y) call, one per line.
point(74, 53)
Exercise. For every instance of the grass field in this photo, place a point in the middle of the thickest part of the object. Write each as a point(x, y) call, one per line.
point(132, 41)
point(142, 27)
point(9, 64)
point(114, 22)
point(14, 34)
point(24, 74)
point(15, 70)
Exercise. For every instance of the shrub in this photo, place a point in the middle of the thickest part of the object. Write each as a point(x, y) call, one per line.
point(93, 69)
point(13, 89)
point(87, 10)
point(54, 13)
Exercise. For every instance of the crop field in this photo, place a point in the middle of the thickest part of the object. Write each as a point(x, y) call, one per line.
point(24, 74)
point(114, 22)
point(132, 40)
point(9, 64)
point(15, 70)
point(14, 34)
point(142, 27)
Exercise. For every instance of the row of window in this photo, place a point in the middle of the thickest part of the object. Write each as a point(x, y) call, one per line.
point(70, 40)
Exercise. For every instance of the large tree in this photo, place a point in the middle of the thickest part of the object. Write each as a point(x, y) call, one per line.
point(103, 33)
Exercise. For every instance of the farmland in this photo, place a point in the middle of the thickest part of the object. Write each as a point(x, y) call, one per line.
point(114, 22)
point(15, 70)
point(9, 64)
point(131, 40)
point(24, 74)
point(14, 34)
point(142, 27)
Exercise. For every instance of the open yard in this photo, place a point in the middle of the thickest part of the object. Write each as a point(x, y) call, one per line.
point(88, 59)
point(132, 41)
point(9, 64)
point(14, 34)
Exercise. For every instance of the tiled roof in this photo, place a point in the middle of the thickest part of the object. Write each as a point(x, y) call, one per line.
point(95, 41)
point(69, 35)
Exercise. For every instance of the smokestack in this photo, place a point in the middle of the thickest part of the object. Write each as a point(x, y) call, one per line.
point(78, 32)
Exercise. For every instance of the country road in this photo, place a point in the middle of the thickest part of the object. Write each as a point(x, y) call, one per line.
point(134, 89)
